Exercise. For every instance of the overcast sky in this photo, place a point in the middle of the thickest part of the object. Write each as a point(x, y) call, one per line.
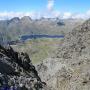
point(45, 8)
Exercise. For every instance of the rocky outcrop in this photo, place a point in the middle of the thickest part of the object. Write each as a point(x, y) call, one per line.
point(69, 68)
point(17, 72)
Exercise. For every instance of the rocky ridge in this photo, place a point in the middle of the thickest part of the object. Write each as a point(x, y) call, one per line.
point(69, 68)
point(17, 71)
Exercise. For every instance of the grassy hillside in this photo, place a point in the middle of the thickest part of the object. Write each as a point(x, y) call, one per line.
point(39, 49)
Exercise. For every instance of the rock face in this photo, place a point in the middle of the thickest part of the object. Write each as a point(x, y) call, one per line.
point(69, 68)
point(17, 71)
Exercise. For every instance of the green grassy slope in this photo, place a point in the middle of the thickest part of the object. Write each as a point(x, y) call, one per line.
point(39, 49)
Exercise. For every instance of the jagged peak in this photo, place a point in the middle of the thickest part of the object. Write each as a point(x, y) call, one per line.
point(14, 20)
point(26, 18)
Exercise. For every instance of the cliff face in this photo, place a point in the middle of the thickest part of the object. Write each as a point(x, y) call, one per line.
point(17, 71)
point(69, 68)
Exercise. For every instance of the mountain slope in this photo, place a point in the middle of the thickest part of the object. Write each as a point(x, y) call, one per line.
point(69, 68)
point(17, 71)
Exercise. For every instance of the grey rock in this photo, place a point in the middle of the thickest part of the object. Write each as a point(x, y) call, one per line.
point(17, 71)
point(69, 68)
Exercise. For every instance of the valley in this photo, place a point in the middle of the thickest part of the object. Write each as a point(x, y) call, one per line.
point(61, 58)
point(45, 45)
point(40, 48)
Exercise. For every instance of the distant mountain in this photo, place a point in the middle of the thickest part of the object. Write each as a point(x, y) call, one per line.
point(17, 27)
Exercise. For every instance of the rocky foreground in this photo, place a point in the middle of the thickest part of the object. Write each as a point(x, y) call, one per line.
point(69, 68)
point(17, 71)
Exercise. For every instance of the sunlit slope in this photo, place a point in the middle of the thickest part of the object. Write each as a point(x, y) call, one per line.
point(39, 49)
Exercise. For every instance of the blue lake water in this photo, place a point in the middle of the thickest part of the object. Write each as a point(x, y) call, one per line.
point(26, 37)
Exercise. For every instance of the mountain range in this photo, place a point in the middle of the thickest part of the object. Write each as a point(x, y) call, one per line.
point(68, 68)
point(13, 29)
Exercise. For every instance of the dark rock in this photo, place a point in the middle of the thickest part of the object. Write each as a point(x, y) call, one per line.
point(17, 71)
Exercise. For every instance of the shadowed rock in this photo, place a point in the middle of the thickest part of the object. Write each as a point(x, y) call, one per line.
point(17, 71)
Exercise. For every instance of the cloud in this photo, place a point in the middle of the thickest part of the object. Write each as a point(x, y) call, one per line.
point(79, 16)
point(67, 15)
point(85, 15)
point(37, 15)
point(51, 12)
point(48, 13)
point(56, 14)
point(50, 5)
point(9, 15)
point(88, 12)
